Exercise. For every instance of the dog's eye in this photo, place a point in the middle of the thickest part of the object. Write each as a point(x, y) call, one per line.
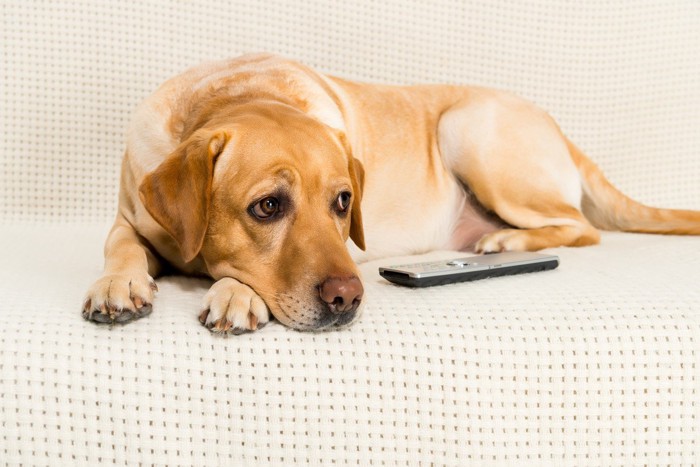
point(266, 207)
point(343, 201)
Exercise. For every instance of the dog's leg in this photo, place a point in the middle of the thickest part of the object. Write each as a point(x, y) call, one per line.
point(537, 239)
point(514, 159)
point(125, 290)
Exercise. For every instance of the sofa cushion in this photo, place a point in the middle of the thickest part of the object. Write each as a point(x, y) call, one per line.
point(596, 359)
point(620, 78)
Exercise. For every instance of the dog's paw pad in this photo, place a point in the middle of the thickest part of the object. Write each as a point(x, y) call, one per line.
point(117, 298)
point(233, 308)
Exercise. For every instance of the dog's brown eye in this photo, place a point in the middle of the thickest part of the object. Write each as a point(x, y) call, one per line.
point(266, 207)
point(344, 201)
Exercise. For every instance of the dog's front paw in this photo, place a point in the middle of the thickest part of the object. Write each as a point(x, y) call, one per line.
point(231, 307)
point(118, 298)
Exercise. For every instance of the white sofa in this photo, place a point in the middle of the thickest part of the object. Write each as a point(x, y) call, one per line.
point(595, 363)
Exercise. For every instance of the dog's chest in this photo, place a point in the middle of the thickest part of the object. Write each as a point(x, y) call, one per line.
point(405, 225)
point(471, 223)
point(403, 219)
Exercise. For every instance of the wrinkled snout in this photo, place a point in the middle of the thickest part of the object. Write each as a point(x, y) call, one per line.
point(333, 303)
point(341, 294)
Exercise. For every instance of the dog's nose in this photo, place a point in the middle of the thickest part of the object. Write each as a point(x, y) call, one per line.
point(341, 294)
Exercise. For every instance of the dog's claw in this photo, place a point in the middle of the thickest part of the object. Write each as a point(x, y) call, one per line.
point(113, 315)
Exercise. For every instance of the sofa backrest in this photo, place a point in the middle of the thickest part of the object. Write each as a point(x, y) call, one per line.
point(622, 78)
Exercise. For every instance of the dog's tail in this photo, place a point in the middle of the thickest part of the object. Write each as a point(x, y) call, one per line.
point(608, 208)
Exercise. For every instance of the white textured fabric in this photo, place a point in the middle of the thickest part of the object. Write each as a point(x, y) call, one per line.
point(620, 76)
point(594, 363)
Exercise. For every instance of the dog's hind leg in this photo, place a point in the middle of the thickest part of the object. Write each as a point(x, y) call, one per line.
point(514, 159)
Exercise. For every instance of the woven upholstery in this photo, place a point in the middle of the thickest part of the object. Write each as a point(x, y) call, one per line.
point(593, 363)
point(597, 362)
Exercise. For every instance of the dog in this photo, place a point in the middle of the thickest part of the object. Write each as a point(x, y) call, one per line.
point(275, 180)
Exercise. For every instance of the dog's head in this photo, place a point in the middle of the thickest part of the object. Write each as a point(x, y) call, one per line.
point(269, 196)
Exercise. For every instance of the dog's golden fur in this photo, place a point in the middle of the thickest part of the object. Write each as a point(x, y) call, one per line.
point(398, 170)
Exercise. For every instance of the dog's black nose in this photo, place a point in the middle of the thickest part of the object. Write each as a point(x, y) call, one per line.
point(341, 294)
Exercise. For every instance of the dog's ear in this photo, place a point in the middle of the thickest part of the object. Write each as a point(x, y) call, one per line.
point(357, 178)
point(177, 193)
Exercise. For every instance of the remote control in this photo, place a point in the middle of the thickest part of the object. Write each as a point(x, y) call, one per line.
point(468, 268)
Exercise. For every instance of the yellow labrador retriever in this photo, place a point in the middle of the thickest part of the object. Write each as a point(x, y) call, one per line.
point(255, 171)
